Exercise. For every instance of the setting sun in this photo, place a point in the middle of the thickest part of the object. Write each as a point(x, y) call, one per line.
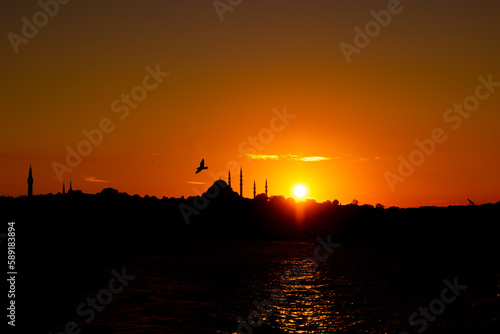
point(300, 191)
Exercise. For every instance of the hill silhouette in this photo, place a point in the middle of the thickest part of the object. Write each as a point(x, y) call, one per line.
point(62, 238)
point(220, 213)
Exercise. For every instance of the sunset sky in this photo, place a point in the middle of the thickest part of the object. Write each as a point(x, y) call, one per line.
point(349, 119)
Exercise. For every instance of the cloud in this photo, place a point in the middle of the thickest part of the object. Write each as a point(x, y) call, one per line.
point(291, 157)
point(364, 159)
point(196, 182)
point(261, 156)
point(314, 158)
point(93, 179)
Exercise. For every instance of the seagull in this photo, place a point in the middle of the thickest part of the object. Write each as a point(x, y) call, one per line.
point(202, 166)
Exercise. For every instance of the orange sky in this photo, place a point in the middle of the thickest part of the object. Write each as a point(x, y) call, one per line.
point(226, 78)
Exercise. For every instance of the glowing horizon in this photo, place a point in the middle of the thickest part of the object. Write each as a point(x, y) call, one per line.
point(136, 99)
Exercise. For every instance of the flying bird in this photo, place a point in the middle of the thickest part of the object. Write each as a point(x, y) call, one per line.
point(202, 166)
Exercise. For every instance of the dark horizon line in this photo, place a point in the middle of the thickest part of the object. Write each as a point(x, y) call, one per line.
point(112, 192)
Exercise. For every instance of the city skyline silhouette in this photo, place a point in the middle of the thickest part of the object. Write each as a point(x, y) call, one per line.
point(368, 114)
point(30, 182)
point(231, 166)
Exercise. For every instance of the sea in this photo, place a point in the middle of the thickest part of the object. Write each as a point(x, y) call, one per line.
point(275, 287)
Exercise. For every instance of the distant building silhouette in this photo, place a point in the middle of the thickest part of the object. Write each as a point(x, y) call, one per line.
point(241, 182)
point(63, 190)
point(30, 183)
point(70, 188)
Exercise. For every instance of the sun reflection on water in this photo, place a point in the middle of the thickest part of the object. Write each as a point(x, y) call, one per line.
point(308, 307)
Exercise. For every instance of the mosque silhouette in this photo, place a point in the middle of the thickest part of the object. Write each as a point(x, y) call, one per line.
point(241, 184)
point(70, 190)
point(31, 180)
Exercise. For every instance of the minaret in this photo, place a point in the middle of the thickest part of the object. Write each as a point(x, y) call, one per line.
point(64, 190)
point(70, 188)
point(229, 179)
point(30, 183)
point(241, 182)
point(266, 187)
point(254, 189)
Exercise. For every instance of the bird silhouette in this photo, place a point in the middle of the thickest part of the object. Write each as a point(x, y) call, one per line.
point(202, 166)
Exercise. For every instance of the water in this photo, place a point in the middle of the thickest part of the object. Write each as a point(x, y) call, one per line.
point(204, 286)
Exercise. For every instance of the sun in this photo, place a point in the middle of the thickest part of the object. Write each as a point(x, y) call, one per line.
point(300, 191)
